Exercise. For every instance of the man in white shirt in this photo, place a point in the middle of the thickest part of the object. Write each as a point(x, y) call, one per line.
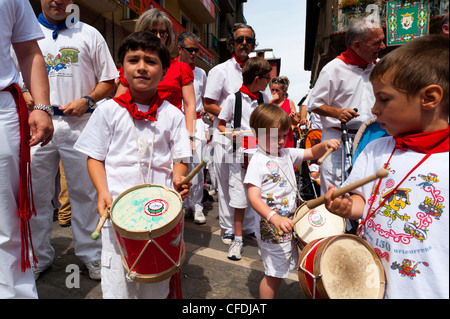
point(343, 86)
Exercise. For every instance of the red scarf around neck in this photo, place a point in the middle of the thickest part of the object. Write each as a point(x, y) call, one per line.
point(241, 64)
point(26, 202)
point(245, 90)
point(126, 100)
point(434, 142)
point(350, 57)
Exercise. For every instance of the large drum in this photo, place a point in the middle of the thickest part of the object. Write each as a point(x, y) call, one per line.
point(317, 223)
point(148, 225)
point(341, 267)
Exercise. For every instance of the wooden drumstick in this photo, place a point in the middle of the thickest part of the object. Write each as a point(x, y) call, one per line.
point(231, 132)
point(313, 203)
point(101, 222)
point(194, 172)
point(328, 152)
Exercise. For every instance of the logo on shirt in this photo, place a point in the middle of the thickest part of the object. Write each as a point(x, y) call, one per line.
point(62, 61)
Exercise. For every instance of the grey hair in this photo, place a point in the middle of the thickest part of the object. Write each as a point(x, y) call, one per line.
point(153, 17)
point(183, 36)
point(359, 31)
point(237, 26)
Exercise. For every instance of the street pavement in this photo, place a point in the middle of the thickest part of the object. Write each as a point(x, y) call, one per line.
point(207, 273)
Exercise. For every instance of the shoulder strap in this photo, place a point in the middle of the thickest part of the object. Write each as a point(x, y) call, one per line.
point(237, 110)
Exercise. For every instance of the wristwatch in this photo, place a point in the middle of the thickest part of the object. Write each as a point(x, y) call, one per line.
point(46, 108)
point(90, 102)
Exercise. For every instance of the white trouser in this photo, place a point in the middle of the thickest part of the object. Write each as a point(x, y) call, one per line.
point(115, 284)
point(82, 193)
point(13, 282)
point(194, 201)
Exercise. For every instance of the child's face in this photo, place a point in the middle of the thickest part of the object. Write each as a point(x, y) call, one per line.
point(276, 89)
point(397, 112)
point(143, 70)
point(275, 140)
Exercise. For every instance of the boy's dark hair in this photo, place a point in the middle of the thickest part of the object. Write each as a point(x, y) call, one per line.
point(145, 41)
point(254, 67)
point(415, 65)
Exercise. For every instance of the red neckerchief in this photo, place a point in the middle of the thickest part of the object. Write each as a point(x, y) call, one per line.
point(350, 57)
point(245, 90)
point(241, 64)
point(427, 143)
point(26, 202)
point(126, 100)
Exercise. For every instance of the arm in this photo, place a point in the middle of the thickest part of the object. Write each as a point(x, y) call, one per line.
point(97, 173)
point(34, 74)
point(317, 151)
point(294, 116)
point(179, 172)
point(351, 207)
point(343, 115)
point(189, 103)
point(79, 107)
point(212, 107)
point(281, 223)
point(303, 114)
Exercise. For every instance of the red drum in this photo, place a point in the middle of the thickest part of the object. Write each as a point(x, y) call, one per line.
point(317, 223)
point(148, 225)
point(341, 267)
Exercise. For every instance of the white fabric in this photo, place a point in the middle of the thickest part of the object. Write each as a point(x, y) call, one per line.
point(278, 259)
point(76, 61)
point(109, 137)
point(421, 240)
point(19, 24)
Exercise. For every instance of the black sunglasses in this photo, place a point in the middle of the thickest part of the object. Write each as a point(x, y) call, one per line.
point(240, 40)
point(278, 80)
point(191, 50)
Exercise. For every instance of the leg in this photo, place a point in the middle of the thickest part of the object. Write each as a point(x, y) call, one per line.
point(268, 287)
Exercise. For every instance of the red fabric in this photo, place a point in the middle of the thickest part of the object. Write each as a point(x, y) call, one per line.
point(434, 142)
point(245, 90)
point(241, 64)
point(286, 106)
point(126, 100)
point(178, 75)
point(26, 203)
point(175, 291)
point(350, 57)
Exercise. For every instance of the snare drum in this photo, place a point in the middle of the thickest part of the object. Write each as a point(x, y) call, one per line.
point(341, 267)
point(317, 223)
point(148, 226)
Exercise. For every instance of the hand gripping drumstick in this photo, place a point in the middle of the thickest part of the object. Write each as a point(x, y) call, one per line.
point(194, 172)
point(101, 222)
point(313, 203)
point(324, 156)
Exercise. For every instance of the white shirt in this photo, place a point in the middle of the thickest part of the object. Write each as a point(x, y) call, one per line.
point(199, 87)
point(76, 61)
point(109, 137)
point(415, 232)
point(343, 86)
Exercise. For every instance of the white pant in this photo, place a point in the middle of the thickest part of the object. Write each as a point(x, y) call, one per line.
point(82, 193)
point(13, 282)
point(115, 285)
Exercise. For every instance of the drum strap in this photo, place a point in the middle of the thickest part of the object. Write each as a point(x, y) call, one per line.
point(314, 277)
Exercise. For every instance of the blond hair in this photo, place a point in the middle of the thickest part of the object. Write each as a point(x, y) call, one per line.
point(153, 17)
point(267, 116)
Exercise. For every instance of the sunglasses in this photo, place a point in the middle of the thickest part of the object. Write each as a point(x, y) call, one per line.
point(240, 40)
point(162, 33)
point(191, 50)
point(278, 80)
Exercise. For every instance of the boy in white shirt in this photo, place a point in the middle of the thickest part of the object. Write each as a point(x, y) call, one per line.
point(256, 77)
point(119, 138)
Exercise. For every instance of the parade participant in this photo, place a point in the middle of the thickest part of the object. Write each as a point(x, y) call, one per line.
point(342, 86)
point(256, 76)
point(223, 80)
point(406, 216)
point(19, 29)
point(188, 49)
point(270, 181)
point(178, 84)
point(108, 139)
point(81, 72)
point(279, 88)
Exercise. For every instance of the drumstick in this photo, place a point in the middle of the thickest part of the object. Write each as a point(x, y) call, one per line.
point(101, 222)
point(328, 152)
point(313, 203)
point(194, 172)
point(231, 132)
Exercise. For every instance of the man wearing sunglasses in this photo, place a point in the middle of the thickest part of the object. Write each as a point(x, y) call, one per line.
point(223, 80)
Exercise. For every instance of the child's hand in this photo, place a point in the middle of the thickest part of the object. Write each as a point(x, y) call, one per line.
point(282, 223)
point(104, 202)
point(182, 189)
point(341, 206)
point(332, 144)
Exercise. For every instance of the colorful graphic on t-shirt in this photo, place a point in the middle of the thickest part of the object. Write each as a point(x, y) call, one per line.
point(64, 60)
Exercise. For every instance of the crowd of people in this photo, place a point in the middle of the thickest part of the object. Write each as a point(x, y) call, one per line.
point(107, 130)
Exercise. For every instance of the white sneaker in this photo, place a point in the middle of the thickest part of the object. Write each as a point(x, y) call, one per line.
point(235, 250)
point(94, 269)
point(199, 218)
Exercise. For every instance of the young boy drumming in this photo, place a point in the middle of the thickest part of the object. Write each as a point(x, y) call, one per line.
point(405, 216)
point(136, 138)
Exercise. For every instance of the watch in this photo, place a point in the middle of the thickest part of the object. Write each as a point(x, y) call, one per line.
point(90, 101)
point(46, 108)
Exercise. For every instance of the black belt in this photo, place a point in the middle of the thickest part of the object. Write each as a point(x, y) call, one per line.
point(57, 111)
point(349, 131)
